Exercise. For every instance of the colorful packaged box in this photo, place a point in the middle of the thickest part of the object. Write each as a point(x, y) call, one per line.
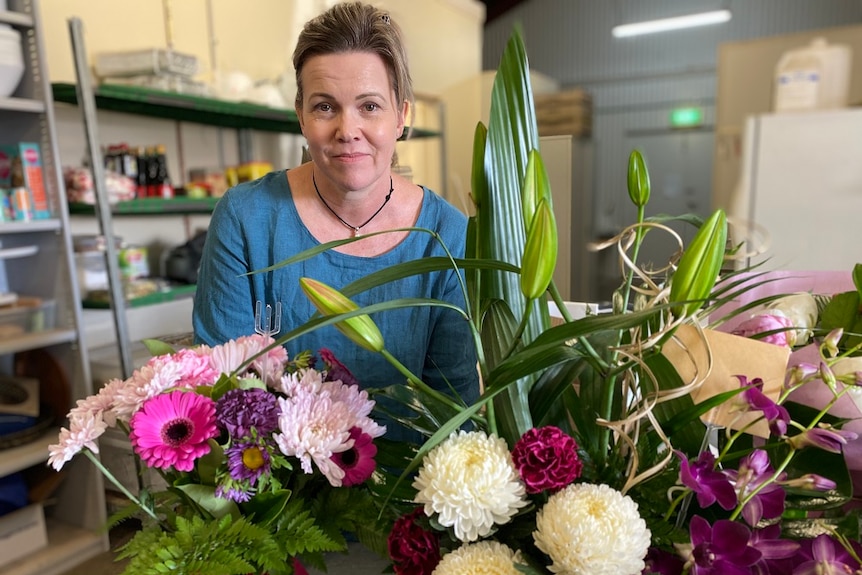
point(21, 166)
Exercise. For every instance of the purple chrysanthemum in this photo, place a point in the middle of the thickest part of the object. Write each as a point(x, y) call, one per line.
point(358, 461)
point(240, 410)
point(235, 491)
point(248, 460)
point(335, 370)
point(173, 429)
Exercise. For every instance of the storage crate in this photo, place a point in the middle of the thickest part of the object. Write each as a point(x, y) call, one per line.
point(567, 112)
point(22, 532)
point(145, 62)
point(27, 315)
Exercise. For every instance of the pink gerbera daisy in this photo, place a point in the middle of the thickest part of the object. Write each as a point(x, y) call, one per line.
point(172, 429)
point(358, 461)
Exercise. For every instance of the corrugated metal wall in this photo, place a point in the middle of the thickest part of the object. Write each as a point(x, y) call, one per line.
point(635, 82)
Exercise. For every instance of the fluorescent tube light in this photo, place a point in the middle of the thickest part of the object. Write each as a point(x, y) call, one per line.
point(676, 23)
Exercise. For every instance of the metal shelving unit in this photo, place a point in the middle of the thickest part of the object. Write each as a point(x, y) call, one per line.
point(43, 267)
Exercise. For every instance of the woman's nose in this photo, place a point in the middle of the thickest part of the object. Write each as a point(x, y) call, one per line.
point(348, 126)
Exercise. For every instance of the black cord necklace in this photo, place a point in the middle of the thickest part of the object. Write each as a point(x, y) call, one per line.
point(355, 229)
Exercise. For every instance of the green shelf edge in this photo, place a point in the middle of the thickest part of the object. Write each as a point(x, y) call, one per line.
point(150, 207)
point(196, 109)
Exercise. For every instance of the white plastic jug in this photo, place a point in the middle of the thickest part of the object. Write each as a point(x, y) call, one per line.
point(813, 77)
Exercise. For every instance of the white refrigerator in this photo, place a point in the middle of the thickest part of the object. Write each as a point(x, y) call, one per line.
point(800, 193)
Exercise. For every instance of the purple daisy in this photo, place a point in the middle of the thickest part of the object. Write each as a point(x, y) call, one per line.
point(173, 429)
point(234, 491)
point(358, 461)
point(248, 460)
point(241, 410)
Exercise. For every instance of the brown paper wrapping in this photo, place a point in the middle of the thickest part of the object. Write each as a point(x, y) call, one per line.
point(731, 355)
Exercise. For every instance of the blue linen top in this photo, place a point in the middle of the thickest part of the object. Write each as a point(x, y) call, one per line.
point(256, 225)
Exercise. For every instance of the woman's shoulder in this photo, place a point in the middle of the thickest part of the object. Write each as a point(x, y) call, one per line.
point(438, 209)
point(267, 188)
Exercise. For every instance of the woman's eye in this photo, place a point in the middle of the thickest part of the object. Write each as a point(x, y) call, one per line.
point(371, 107)
point(323, 107)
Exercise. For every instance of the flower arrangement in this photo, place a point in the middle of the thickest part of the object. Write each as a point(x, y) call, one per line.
point(264, 458)
point(641, 440)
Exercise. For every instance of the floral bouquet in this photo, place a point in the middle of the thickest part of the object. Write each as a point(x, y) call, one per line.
point(640, 440)
point(264, 459)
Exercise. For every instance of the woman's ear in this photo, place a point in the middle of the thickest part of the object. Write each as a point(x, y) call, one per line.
point(402, 120)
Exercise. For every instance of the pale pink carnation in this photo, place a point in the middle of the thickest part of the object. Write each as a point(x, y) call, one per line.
point(313, 427)
point(767, 322)
point(146, 382)
point(83, 432)
point(195, 369)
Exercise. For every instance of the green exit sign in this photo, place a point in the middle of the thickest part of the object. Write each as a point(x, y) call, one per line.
point(686, 117)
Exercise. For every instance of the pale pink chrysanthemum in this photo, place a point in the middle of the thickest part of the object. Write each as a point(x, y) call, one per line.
point(309, 380)
point(358, 404)
point(100, 405)
point(173, 429)
point(83, 432)
point(228, 357)
point(312, 429)
point(149, 381)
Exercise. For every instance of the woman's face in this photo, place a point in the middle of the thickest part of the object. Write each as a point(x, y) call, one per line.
point(350, 118)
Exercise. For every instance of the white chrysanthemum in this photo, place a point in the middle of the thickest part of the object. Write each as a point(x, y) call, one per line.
point(592, 530)
point(482, 558)
point(469, 481)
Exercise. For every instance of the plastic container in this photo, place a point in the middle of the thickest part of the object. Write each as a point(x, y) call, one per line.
point(813, 77)
point(11, 61)
point(27, 315)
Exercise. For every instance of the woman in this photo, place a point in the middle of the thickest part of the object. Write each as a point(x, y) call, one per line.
point(354, 95)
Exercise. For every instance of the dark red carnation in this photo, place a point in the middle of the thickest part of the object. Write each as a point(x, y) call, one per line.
point(546, 459)
point(335, 370)
point(413, 549)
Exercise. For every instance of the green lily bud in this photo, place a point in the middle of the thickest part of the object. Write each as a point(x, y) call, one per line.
point(700, 265)
point(360, 329)
point(540, 252)
point(638, 179)
point(536, 187)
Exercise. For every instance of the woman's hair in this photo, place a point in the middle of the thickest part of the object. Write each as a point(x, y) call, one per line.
point(355, 27)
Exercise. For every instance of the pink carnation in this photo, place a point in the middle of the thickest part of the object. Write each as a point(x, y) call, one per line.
point(546, 459)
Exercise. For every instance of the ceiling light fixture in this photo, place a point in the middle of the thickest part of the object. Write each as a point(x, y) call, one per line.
point(676, 23)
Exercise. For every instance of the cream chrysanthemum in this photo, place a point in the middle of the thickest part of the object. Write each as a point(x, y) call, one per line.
point(592, 530)
point(469, 481)
point(482, 558)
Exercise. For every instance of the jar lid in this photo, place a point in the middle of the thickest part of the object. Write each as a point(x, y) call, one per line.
point(90, 243)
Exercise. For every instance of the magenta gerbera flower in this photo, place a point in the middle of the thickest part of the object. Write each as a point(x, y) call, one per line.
point(172, 429)
point(358, 461)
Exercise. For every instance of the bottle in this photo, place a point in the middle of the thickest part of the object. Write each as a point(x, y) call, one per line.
point(164, 187)
point(813, 77)
point(141, 180)
point(152, 172)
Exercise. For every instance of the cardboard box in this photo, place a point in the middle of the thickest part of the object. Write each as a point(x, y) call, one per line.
point(22, 532)
point(21, 166)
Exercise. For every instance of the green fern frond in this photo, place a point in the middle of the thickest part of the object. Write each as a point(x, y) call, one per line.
point(224, 547)
point(298, 533)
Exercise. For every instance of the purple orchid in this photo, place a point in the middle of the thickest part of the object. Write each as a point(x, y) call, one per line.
point(708, 484)
point(661, 562)
point(824, 555)
point(777, 553)
point(755, 476)
point(775, 414)
point(721, 549)
point(826, 438)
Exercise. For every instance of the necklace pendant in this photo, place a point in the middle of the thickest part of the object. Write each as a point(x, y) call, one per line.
point(356, 233)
